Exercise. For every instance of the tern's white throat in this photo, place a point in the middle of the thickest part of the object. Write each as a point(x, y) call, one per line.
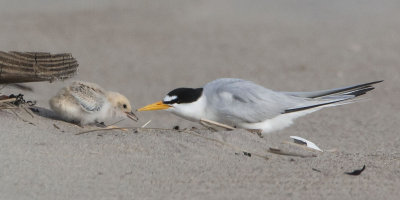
point(193, 111)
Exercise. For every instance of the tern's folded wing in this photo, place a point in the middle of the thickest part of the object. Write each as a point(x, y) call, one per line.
point(244, 101)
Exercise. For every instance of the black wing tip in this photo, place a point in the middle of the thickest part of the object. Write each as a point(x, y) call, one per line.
point(374, 82)
point(354, 87)
point(364, 88)
point(361, 91)
point(365, 85)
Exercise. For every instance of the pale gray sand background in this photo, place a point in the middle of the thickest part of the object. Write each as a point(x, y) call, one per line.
point(144, 49)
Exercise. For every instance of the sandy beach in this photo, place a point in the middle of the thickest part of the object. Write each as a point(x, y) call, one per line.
point(144, 49)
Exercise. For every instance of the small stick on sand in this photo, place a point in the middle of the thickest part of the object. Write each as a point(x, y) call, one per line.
point(144, 125)
point(55, 126)
point(7, 100)
point(106, 129)
point(116, 127)
point(116, 122)
point(212, 124)
point(280, 152)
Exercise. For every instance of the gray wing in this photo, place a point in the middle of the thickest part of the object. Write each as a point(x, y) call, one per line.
point(239, 100)
point(91, 97)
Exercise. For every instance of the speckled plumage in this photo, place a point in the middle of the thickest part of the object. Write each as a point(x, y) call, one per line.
point(86, 103)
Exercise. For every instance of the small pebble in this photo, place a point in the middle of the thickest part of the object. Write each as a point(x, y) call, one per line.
point(247, 154)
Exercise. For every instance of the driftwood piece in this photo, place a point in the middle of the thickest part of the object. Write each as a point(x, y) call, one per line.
point(19, 67)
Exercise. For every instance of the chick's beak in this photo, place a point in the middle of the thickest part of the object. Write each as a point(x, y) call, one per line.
point(155, 106)
point(132, 116)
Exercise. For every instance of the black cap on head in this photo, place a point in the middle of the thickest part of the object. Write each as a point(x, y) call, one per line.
point(183, 95)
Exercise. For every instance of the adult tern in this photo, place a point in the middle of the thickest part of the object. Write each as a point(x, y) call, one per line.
point(244, 104)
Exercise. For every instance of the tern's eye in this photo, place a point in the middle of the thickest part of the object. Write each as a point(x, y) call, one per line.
point(124, 105)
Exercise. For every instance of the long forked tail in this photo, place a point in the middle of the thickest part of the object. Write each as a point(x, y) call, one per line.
point(334, 97)
point(356, 90)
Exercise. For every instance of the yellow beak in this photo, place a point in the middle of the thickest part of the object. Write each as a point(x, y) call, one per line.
point(155, 106)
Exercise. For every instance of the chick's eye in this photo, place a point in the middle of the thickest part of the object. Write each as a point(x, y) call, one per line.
point(124, 105)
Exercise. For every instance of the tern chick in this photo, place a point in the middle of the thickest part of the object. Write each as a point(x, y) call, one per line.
point(244, 104)
point(87, 103)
